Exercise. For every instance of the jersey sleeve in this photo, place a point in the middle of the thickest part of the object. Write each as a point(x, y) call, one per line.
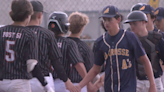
point(73, 53)
point(137, 46)
point(98, 54)
point(54, 52)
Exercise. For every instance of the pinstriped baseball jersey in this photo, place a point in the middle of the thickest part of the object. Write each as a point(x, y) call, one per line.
point(71, 57)
point(85, 52)
point(17, 45)
point(47, 48)
point(119, 52)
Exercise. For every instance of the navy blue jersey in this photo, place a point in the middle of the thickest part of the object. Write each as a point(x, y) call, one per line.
point(119, 52)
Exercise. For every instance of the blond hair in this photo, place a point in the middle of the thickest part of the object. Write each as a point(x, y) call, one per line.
point(77, 21)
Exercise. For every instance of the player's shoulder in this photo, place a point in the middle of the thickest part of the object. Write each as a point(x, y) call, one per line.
point(155, 37)
point(17, 29)
point(46, 32)
point(130, 35)
point(2, 26)
point(155, 34)
point(100, 39)
point(69, 41)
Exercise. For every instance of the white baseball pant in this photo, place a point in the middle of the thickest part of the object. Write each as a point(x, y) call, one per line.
point(36, 85)
point(143, 85)
point(16, 85)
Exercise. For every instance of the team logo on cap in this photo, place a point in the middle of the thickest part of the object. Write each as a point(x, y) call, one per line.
point(142, 8)
point(106, 11)
point(156, 12)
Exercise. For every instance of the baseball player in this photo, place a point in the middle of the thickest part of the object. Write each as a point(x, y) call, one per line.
point(159, 12)
point(100, 81)
point(77, 22)
point(119, 48)
point(49, 53)
point(134, 8)
point(149, 11)
point(18, 51)
point(72, 60)
point(153, 44)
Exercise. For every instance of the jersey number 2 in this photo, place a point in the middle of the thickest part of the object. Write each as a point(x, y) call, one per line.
point(10, 57)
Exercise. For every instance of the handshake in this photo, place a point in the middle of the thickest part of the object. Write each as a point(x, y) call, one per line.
point(69, 86)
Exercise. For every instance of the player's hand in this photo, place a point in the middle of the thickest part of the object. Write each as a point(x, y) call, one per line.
point(78, 88)
point(47, 88)
point(91, 88)
point(152, 88)
point(71, 87)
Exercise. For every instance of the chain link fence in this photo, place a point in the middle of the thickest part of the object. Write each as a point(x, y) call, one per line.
point(90, 7)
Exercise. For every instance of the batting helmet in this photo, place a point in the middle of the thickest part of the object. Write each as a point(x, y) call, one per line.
point(136, 7)
point(136, 16)
point(58, 21)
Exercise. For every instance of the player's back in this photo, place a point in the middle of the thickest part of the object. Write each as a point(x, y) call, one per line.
point(15, 50)
point(47, 48)
point(71, 56)
point(85, 52)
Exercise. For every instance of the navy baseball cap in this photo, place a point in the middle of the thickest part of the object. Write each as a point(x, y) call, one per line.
point(110, 11)
point(147, 9)
point(159, 12)
point(37, 6)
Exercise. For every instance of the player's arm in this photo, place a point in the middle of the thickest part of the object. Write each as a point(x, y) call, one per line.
point(59, 69)
point(89, 77)
point(140, 54)
point(32, 67)
point(99, 60)
point(55, 55)
point(148, 69)
point(99, 82)
point(32, 63)
point(82, 71)
point(77, 60)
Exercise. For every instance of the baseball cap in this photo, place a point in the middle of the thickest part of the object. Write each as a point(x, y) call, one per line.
point(159, 12)
point(147, 9)
point(109, 11)
point(136, 6)
point(37, 6)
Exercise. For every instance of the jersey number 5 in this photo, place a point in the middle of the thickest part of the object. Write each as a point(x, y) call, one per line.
point(10, 56)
